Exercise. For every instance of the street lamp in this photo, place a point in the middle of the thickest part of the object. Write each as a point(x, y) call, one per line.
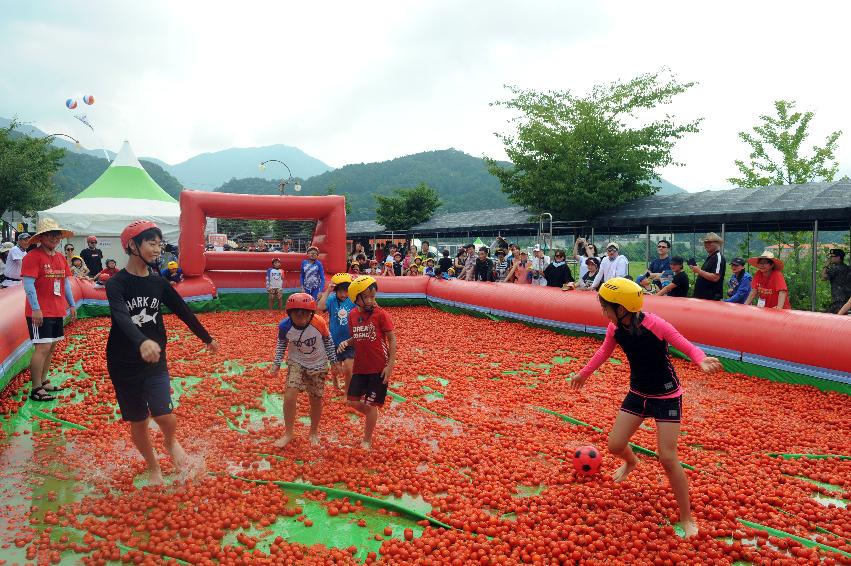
point(75, 140)
point(284, 182)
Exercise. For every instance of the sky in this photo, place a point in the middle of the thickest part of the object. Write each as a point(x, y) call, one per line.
point(351, 82)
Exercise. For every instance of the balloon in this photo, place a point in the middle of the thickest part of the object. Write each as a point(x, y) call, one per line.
point(71, 103)
point(89, 99)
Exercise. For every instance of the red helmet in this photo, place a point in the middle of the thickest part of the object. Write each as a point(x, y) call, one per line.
point(134, 229)
point(301, 301)
point(91, 240)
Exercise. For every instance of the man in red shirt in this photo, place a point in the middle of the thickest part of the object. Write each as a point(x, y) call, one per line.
point(46, 277)
point(375, 353)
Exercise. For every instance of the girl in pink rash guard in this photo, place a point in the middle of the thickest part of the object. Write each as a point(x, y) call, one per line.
point(654, 389)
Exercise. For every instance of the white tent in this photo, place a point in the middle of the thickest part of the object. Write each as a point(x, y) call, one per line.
point(123, 193)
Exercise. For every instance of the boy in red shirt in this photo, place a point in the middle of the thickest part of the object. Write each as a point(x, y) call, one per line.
point(375, 353)
point(46, 277)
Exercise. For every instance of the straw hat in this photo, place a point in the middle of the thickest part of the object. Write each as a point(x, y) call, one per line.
point(713, 237)
point(6, 246)
point(49, 225)
point(778, 264)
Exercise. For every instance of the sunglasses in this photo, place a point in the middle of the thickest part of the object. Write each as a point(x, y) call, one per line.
point(69, 249)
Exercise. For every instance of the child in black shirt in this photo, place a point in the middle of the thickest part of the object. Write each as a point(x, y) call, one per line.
point(135, 350)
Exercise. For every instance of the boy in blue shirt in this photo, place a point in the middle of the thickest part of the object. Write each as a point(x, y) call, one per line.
point(172, 272)
point(336, 301)
point(312, 273)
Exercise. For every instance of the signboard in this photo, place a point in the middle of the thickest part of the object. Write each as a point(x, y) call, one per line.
point(218, 241)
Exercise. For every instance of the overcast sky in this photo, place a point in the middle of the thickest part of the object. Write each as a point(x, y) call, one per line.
point(351, 82)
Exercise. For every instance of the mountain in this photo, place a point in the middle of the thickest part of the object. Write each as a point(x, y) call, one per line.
point(666, 188)
point(209, 170)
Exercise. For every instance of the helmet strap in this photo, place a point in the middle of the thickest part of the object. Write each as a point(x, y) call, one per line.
point(152, 264)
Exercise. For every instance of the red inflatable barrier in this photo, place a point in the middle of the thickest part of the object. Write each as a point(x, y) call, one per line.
point(189, 289)
point(225, 280)
point(329, 212)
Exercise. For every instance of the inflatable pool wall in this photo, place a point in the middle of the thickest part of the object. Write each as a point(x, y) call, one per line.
point(795, 346)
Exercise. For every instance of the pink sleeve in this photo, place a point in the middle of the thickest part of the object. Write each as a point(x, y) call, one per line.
point(664, 330)
point(603, 353)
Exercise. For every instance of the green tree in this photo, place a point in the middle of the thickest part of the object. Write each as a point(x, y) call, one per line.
point(407, 207)
point(776, 156)
point(27, 166)
point(575, 156)
point(331, 189)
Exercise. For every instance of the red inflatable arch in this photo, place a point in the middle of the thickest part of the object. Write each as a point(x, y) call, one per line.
point(329, 212)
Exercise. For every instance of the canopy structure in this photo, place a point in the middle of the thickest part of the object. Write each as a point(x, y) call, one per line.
point(123, 193)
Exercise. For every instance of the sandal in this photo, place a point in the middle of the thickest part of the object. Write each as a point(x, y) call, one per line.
point(49, 387)
point(40, 394)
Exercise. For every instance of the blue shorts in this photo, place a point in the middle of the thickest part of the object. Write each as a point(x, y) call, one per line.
point(347, 354)
point(313, 293)
point(143, 397)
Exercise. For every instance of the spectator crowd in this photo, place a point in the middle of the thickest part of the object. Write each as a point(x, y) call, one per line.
point(666, 275)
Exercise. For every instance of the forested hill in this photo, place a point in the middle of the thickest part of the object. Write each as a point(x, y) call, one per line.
point(79, 170)
point(462, 181)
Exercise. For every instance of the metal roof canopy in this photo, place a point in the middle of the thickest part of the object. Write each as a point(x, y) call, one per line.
point(788, 207)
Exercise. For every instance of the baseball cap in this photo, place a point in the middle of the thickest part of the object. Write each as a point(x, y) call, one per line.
point(24, 236)
point(839, 252)
point(737, 261)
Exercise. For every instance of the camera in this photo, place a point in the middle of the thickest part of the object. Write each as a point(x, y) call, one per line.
point(692, 262)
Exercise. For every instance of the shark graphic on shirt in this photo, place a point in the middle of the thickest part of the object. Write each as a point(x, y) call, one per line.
point(143, 317)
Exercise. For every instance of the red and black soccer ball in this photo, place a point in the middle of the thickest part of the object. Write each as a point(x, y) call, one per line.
point(587, 460)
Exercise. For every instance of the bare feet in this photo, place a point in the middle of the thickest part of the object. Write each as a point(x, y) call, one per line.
point(194, 471)
point(314, 439)
point(155, 476)
point(178, 455)
point(689, 528)
point(282, 442)
point(366, 445)
point(621, 473)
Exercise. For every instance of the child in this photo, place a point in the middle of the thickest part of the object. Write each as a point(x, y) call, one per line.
point(373, 268)
point(107, 272)
point(646, 284)
point(398, 267)
point(654, 389)
point(336, 301)
point(354, 269)
point(135, 350)
point(307, 361)
point(275, 284)
point(172, 273)
point(418, 262)
point(78, 268)
point(678, 285)
point(312, 273)
point(429, 267)
point(375, 353)
point(388, 269)
point(413, 271)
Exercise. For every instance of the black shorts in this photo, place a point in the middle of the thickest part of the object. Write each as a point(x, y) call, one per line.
point(52, 330)
point(140, 397)
point(662, 410)
point(347, 354)
point(368, 388)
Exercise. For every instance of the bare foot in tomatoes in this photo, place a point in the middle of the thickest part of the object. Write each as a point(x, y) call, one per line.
point(155, 476)
point(621, 473)
point(689, 528)
point(178, 455)
point(194, 471)
point(366, 445)
point(314, 439)
point(282, 442)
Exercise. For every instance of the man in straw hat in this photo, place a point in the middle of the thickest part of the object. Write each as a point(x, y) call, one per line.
point(14, 259)
point(709, 283)
point(47, 285)
point(768, 285)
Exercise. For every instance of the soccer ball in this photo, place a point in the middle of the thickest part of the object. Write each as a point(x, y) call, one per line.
point(587, 460)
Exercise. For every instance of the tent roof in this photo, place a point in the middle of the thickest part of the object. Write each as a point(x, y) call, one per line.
point(125, 179)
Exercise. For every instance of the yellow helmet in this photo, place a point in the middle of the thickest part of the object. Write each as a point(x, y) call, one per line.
point(76, 257)
point(172, 265)
point(623, 292)
point(338, 278)
point(360, 285)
